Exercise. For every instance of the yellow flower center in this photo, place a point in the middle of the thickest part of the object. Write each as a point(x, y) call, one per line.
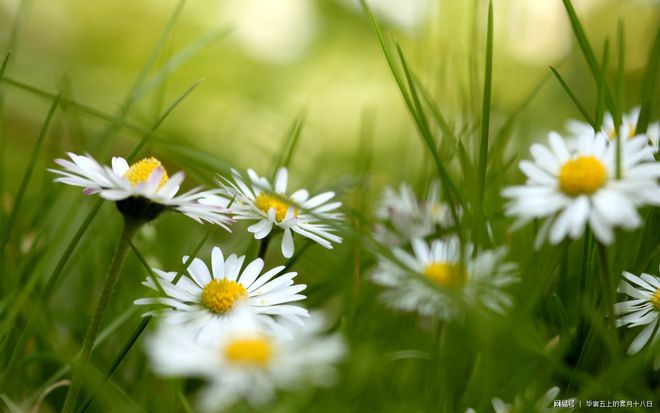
point(141, 170)
point(255, 351)
point(631, 132)
point(655, 299)
point(265, 202)
point(582, 175)
point(445, 274)
point(220, 296)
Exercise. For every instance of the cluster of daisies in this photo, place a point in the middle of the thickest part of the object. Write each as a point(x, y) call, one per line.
point(596, 179)
point(237, 325)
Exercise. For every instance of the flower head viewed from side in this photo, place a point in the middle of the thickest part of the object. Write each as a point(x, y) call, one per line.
point(272, 206)
point(628, 128)
point(642, 310)
point(142, 190)
point(433, 279)
point(403, 216)
point(207, 300)
point(576, 187)
point(243, 363)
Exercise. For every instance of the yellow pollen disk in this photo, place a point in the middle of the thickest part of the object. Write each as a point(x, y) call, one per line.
point(141, 170)
point(582, 175)
point(655, 299)
point(265, 202)
point(255, 351)
point(445, 274)
point(220, 296)
point(631, 132)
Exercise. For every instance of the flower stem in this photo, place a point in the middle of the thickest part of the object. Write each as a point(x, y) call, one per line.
point(609, 294)
point(129, 229)
point(263, 246)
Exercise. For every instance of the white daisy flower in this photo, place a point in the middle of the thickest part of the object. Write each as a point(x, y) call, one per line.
point(628, 127)
point(434, 282)
point(576, 187)
point(206, 300)
point(142, 190)
point(242, 363)
point(403, 216)
point(272, 207)
point(642, 310)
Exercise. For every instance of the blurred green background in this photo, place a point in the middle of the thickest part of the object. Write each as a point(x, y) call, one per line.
point(265, 63)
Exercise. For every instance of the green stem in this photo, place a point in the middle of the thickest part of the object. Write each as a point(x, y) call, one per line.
point(129, 229)
point(263, 246)
point(609, 293)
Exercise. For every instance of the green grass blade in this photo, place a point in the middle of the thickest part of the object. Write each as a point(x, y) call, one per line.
point(620, 70)
point(602, 87)
point(574, 99)
point(485, 108)
point(13, 215)
point(3, 69)
point(290, 144)
point(587, 51)
point(648, 88)
point(161, 119)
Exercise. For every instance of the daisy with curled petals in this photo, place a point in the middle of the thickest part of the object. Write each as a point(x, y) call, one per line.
point(642, 310)
point(579, 186)
point(142, 190)
point(628, 128)
point(206, 300)
point(272, 207)
point(432, 281)
point(242, 363)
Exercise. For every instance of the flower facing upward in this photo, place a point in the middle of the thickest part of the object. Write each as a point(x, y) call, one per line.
point(206, 300)
point(241, 362)
point(142, 190)
point(271, 206)
point(628, 128)
point(434, 282)
point(642, 310)
point(573, 187)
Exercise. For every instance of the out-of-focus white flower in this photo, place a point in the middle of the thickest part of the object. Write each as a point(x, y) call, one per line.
point(241, 362)
point(642, 310)
point(433, 281)
point(575, 186)
point(405, 14)
point(276, 31)
point(403, 217)
point(207, 300)
point(142, 190)
point(628, 128)
point(272, 207)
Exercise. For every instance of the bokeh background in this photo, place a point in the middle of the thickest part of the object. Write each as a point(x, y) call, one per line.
point(263, 64)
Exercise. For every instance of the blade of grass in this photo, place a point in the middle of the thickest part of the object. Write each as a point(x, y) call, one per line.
point(485, 126)
point(18, 200)
point(574, 99)
point(132, 96)
point(448, 185)
point(619, 88)
point(602, 87)
point(161, 119)
point(290, 143)
point(3, 69)
point(588, 53)
point(648, 86)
